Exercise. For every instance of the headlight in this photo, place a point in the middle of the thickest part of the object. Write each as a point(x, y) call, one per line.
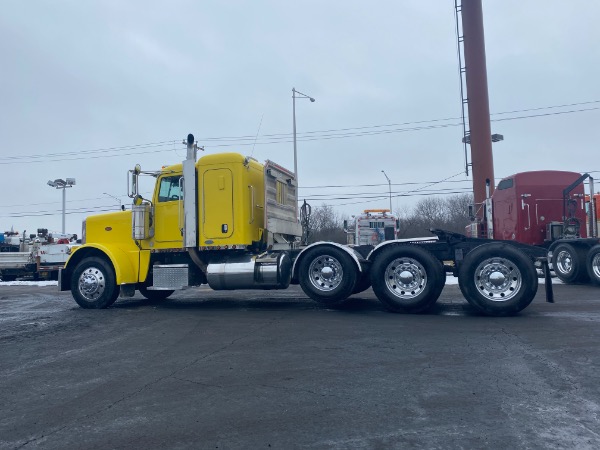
point(83, 232)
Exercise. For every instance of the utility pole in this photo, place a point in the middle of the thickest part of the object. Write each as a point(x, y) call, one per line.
point(390, 186)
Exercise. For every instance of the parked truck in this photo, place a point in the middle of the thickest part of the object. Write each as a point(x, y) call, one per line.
point(549, 209)
point(38, 256)
point(371, 227)
point(231, 222)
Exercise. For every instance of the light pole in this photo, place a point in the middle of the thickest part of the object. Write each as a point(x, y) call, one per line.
point(296, 94)
point(117, 199)
point(59, 183)
point(390, 185)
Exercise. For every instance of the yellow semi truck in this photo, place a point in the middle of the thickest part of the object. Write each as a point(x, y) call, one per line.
point(231, 222)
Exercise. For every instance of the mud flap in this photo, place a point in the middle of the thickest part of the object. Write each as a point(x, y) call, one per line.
point(547, 281)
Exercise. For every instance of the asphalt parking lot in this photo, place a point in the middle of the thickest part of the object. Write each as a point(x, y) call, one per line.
point(272, 369)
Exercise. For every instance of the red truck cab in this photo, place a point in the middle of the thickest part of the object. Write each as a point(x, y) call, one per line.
point(525, 206)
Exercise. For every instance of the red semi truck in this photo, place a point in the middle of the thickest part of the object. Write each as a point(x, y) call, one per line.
point(547, 208)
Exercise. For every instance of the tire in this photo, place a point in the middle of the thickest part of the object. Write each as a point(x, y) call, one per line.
point(497, 279)
point(363, 283)
point(568, 263)
point(328, 275)
point(154, 295)
point(407, 278)
point(593, 264)
point(9, 277)
point(93, 284)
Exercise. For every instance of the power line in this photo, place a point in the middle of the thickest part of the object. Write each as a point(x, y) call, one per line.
point(385, 197)
point(41, 214)
point(98, 150)
point(278, 138)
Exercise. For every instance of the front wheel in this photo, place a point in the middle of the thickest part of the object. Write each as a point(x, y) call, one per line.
point(93, 284)
point(497, 279)
point(568, 264)
point(327, 275)
point(593, 264)
point(407, 278)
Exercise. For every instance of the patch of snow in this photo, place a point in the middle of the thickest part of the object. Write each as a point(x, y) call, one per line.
point(451, 279)
point(28, 283)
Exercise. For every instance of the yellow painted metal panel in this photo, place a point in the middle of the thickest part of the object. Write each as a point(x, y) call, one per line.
point(218, 211)
point(247, 201)
point(168, 214)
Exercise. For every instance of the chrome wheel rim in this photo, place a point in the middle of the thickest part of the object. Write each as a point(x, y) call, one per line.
point(92, 283)
point(498, 279)
point(596, 265)
point(564, 262)
point(405, 278)
point(325, 273)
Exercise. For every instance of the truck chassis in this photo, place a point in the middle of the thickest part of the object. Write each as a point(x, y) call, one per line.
point(497, 278)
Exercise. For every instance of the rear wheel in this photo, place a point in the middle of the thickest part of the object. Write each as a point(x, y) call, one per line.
point(498, 279)
point(327, 275)
point(568, 263)
point(363, 283)
point(93, 284)
point(154, 295)
point(407, 278)
point(593, 264)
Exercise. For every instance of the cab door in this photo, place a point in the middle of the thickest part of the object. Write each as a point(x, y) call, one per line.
point(168, 211)
point(217, 198)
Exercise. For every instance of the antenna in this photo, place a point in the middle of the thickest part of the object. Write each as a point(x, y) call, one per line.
point(258, 131)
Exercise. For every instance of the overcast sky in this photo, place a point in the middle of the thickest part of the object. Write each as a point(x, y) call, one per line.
point(78, 77)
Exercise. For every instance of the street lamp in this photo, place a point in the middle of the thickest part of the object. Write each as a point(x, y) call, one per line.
point(390, 185)
point(296, 94)
point(116, 198)
point(59, 183)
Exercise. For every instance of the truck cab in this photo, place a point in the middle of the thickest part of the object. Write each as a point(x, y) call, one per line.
point(530, 208)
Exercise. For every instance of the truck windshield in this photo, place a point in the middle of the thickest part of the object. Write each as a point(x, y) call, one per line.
point(169, 189)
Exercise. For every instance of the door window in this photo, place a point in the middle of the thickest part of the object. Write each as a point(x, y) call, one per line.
point(169, 189)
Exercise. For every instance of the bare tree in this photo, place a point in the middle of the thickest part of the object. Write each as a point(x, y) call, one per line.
point(458, 212)
point(450, 213)
point(409, 223)
point(326, 225)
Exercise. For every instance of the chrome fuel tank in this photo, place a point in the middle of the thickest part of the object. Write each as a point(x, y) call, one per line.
point(268, 271)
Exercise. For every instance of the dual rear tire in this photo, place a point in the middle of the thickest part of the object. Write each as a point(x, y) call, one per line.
point(569, 263)
point(498, 279)
point(407, 278)
point(328, 275)
point(593, 264)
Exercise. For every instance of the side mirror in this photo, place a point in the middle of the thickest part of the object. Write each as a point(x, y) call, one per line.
point(345, 226)
point(137, 200)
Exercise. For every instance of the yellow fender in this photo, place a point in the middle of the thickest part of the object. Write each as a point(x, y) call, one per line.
point(126, 264)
